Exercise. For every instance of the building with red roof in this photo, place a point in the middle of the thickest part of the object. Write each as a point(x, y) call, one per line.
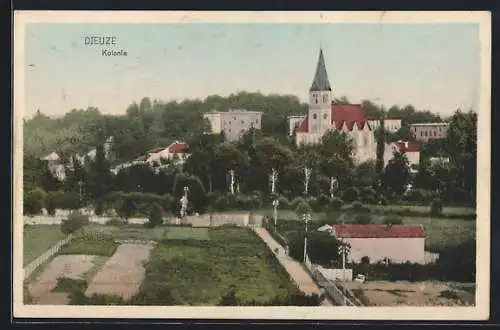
point(410, 149)
point(324, 115)
point(378, 242)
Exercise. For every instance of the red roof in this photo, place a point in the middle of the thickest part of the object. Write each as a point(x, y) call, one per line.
point(156, 150)
point(411, 147)
point(177, 148)
point(378, 231)
point(349, 114)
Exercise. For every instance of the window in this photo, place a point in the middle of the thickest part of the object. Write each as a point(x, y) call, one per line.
point(325, 116)
point(425, 133)
point(242, 131)
point(315, 116)
point(256, 121)
point(229, 122)
point(234, 118)
point(435, 133)
point(421, 133)
point(229, 130)
point(242, 122)
point(315, 98)
point(325, 98)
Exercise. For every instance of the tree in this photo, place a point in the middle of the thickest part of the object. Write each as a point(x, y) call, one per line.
point(34, 201)
point(365, 174)
point(461, 143)
point(33, 172)
point(397, 173)
point(403, 134)
point(100, 178)
point(128, 208)
point(155, 216)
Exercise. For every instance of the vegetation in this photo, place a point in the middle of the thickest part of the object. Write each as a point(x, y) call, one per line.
point(37, 239)
point(91, 244)
point(75, 221)
point(235, 265)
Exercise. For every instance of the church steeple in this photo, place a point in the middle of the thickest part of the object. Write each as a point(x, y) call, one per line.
point(320, 82)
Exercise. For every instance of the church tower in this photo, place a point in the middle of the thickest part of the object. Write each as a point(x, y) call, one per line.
point(320, 99)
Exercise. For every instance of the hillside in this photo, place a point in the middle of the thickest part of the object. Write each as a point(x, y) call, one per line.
point(148, 124)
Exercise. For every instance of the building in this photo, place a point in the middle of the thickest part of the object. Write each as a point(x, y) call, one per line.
point(293, 123)
point(411, 150)
point(55, 164)
point(391, 125)
point(429, 131)
point(397, 243)
point(234, 123)
point(324, 116)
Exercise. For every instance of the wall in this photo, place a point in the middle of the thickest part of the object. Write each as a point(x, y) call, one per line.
point(292, 122)
point(215, 122)
point(236, 122)
point(399, 250)
point(426, 132)
point(219, 219)
point(334, 274)
point(392, 125)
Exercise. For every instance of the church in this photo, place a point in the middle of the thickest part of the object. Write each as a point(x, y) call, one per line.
point(325, 115)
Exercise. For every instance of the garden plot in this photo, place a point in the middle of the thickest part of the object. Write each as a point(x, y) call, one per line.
point(383, 293)
point(63, 266)
point(122, 274)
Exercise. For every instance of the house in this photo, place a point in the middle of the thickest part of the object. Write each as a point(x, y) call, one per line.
point(398, 243)
point(324, 116)
point(411, 150)
point(293, 123)
point(429, 131)
point(391, 125)
point(234, 123)
point(55, 164)
point(175, 151)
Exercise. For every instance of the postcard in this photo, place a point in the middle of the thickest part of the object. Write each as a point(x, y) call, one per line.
point(252, 165)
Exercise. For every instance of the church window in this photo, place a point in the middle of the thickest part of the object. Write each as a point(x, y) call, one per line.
point(325, 98)
point(315, 98)
point(315, 116)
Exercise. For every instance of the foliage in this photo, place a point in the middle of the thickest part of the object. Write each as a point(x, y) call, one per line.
point(397, 173)
point(436, 207)
point(91, 244)
point(393, 220)
point(75, 221)
point(128, 208)
point(363, 219)
point(337, 204)
point(155, 216)
point(351, 194)
point(34, 201)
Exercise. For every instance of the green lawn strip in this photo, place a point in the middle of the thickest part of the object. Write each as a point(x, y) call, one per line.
point(187, 233)
point(39, 238)
point(193, 272)
point(69, 285)
point(84, 245)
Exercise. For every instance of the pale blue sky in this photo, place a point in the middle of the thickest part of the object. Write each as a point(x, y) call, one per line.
point(432, 66)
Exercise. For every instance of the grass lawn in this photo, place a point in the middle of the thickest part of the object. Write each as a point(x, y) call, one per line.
point(98, 246)
point(187, 233)
point(39, 238)
point(195, 272)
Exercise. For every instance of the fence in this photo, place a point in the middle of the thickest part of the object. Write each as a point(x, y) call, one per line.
point(32, 266)
point(335, 291)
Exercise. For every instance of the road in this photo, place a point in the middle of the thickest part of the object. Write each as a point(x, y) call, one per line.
point(299, 275)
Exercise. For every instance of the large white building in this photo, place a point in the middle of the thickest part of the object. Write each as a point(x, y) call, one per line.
point(398, 243)
point(391, 125)
point(234, 123)
point(324, 116)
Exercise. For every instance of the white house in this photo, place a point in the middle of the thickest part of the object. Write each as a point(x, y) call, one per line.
point(234, 123)
point(391, 125)
point(398, 243)
point(324, 116)
point(411, 150)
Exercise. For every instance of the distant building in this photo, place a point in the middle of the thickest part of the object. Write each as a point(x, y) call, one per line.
point(324, 116)
point(398, 243)
point(429, 131)
point(293, 123)
point(234, 123)
point(439, 160)
point(391, 125)
point(411, 150)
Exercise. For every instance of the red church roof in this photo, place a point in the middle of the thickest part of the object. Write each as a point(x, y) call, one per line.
point(378, 231)
point(410, 147)
point(178, 148)
point(350, 114)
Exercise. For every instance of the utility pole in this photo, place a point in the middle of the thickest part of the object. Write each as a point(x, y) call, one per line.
point(307, 218)
point(276, 203)
point(80, 183)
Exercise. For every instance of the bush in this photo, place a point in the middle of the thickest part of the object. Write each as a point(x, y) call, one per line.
point(99, 208)
point(368, 195)
point(155, 216)
point(418, 196)
point(383, 201)
point(436, 207)
point(337, 204)
point(75, 221)
point(363, 219)
point(34, 201)
point(284, 203)
point(302, 208)
point(313, 203)
point(71, 201)
point(351, 194)
point(296, 202)
point(393, 220)
point(128, 208)
point(54, 200)
point(358, 207)
point(323, 200)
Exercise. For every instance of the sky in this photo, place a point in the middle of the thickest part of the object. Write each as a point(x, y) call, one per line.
point(431, 66)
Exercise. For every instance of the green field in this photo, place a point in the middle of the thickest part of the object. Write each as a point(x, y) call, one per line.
point(187, 233)
point(195, 272)
point(39, 238)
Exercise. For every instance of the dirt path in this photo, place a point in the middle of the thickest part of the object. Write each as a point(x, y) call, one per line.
point(67, 266)
point(122, 274)
point(299, 275)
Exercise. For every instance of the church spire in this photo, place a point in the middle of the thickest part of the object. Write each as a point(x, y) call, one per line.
point(320, 82)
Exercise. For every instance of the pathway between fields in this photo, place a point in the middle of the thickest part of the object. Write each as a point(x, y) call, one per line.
point(299, 275)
